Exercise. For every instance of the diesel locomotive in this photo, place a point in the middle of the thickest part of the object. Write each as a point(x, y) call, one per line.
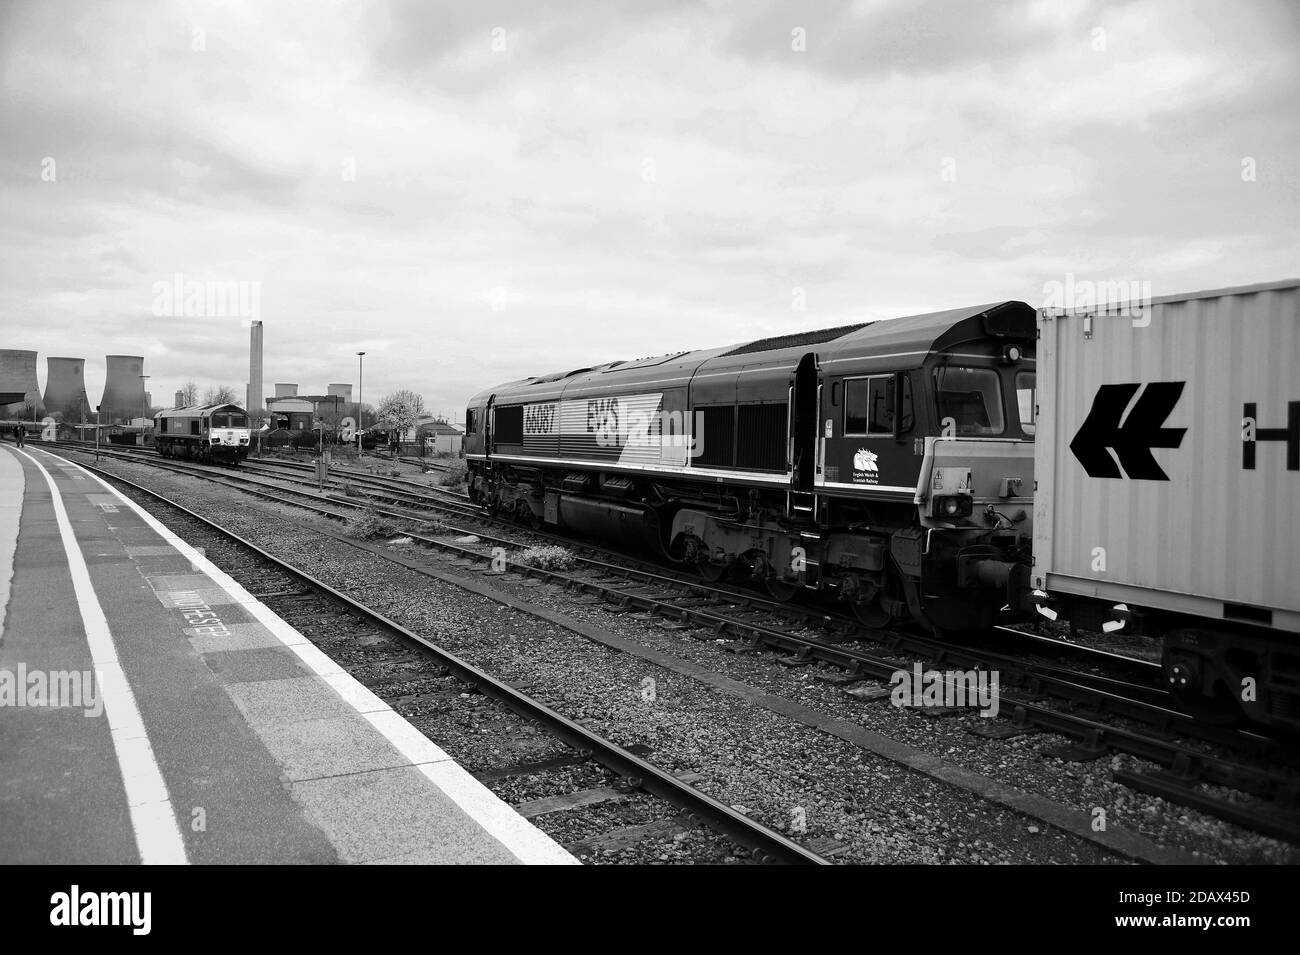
point(888, 464)
point(893, 466)
point(207, 433)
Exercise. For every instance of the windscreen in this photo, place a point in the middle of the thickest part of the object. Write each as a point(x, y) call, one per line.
point(971, 397)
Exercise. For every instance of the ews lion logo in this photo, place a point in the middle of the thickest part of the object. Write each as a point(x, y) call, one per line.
point(864, 460)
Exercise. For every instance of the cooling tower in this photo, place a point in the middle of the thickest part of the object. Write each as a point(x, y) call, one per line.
point(123, 388)
point(18, 377)
point(256, 401)
point(342, 391)
point(283, 390)
point(65, 382)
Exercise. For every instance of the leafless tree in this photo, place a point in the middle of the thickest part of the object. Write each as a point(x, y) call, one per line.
point(219, 395)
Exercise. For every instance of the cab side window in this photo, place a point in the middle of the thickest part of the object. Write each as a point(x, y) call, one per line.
point(869, 406)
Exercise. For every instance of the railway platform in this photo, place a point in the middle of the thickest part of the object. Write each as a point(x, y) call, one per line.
point(152, 710)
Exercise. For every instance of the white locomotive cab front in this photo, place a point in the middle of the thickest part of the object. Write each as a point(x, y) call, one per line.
point(229, 437)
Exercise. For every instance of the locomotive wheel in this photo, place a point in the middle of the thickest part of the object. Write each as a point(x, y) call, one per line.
point(871, 614)
point(780, 590)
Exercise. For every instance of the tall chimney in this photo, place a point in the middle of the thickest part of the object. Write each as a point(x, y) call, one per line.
point(180, 400)
point(255, 398)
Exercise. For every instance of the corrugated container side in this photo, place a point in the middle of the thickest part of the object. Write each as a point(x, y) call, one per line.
point(1214, 529)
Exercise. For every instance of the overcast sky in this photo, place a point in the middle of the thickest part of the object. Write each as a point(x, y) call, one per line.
point(477, 191)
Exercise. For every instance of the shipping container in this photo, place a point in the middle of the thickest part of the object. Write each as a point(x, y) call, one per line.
point(1167, 455)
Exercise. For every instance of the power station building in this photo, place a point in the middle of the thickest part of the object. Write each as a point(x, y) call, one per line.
point(124, 395)
point(18, 383)
point(303, 412)
point(65, 389)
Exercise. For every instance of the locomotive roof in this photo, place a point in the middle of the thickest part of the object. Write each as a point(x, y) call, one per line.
point(192, 410)
point(905, 340)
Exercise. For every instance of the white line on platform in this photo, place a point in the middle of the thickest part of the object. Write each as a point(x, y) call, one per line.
point(157, 836)
point(524, 840)
point(11, 512)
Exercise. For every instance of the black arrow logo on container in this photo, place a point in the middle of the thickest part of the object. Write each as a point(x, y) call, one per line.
point(1133, 440)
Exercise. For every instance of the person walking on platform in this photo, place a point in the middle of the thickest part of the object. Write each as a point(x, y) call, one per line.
point(20, 433)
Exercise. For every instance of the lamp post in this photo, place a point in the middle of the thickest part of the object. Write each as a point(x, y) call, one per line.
point(361, 357)
point(144, 412)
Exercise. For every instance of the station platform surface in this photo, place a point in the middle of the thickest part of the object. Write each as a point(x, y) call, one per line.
point(152, 710)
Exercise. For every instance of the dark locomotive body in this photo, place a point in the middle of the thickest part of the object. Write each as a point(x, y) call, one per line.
point(892, 465)
point(887, 463)
point(207, 433)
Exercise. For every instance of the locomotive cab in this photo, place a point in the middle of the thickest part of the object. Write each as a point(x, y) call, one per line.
point(974, 493)
point(926, 466)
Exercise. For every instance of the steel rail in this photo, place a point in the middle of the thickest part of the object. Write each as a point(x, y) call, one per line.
point(767, 845)
point(1191, 764)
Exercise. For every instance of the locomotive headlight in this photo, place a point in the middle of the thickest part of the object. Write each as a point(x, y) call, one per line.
point(955, 505)
point(1011, 354)
point(952, 488)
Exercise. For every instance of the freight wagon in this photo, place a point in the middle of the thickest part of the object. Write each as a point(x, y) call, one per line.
point(1167, 495)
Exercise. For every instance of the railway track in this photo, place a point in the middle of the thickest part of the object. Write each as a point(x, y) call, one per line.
point(1096, 707)
point(419, 499)
point(297, 595)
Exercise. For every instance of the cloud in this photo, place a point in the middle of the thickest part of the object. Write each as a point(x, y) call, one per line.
point(616, 180)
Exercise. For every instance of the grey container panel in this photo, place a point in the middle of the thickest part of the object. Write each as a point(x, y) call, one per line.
point(1212, 530)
